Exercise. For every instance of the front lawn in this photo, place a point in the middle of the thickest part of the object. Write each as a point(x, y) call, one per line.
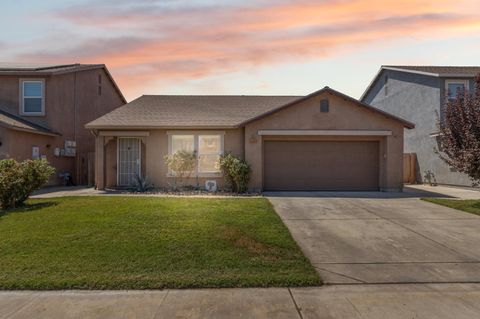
point(468, 205)
point(146, 242)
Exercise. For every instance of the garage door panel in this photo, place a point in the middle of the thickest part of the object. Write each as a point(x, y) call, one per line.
point(315, 165)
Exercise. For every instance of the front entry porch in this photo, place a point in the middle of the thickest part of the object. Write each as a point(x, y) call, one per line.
point(120, 158)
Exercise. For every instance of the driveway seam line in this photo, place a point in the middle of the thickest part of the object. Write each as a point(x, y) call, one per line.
point(355, 308)
point(415, 232)
point(160, 304)
point(295, 304)
point(346, 276)
point(25, 305)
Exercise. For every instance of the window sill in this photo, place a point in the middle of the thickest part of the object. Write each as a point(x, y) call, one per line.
point(31, 114)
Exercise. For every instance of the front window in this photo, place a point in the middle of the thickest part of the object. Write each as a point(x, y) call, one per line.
point(32, 97)
point(182, 143)
point(209, 151)
point(455, 87)
point(207, 148)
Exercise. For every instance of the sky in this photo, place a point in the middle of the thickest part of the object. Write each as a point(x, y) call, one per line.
point(261, 47)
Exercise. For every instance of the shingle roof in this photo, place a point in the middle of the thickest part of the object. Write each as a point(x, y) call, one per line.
point(45, 69)
point(17, 123)
point(207, 111)
point(438, 70)
point(190, 111)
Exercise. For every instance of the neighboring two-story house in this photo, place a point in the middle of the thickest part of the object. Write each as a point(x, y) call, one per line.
point(44, 109)
point(417, 94)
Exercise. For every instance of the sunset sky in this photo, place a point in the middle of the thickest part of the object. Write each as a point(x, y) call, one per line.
point(241, 47)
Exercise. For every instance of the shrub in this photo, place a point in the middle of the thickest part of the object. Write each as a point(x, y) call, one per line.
point(19, 180)
point(181, 166)
point(236, 172)
point(141, 184)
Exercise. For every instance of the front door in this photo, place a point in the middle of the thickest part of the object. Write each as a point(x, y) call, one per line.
point(128, 160)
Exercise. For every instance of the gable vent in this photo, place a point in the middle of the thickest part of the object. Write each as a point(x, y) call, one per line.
point(324, 106)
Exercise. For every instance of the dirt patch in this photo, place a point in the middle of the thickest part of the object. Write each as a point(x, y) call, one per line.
point(241, 240)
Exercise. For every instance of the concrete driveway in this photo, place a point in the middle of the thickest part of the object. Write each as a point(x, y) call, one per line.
point(382, 237)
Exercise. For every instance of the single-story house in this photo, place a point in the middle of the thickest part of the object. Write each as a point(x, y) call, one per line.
point(323, 141)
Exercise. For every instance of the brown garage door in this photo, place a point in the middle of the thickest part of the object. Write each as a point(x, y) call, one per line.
point(313, 165)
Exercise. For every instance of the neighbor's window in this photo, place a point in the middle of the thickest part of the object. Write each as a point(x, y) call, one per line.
point(207, 147)
point(32, 97)
point(453, 87)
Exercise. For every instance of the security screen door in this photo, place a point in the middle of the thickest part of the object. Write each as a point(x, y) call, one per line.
point(128, 160)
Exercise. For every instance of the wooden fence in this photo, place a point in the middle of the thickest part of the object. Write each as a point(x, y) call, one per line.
point(410, 168)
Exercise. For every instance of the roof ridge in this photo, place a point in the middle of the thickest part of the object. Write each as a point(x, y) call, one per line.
point(57, 66)
point(224, 95)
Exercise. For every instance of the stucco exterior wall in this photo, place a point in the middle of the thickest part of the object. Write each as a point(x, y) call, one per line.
point(71, 101)
point(13, 148)
point(343, 115)
point(5, 143)
point(247, 143)
point(154, 149)
point(418, 99)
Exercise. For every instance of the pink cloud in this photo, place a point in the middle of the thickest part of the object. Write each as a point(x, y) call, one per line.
point(151, 42)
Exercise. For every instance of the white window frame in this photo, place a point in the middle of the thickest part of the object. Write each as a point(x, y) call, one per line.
point(466, 84)
point(170, 146)
point(196, 135)
point(22, 97)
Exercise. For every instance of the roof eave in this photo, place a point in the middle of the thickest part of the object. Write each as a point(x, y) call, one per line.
point(26, 73)
point(410, 71)
point(33, 131)
point(371, 84)
point(457, 75)
point(163, 127)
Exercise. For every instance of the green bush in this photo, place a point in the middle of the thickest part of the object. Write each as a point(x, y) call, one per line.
point(181, 166)
point(19, 179)
point(236, 172)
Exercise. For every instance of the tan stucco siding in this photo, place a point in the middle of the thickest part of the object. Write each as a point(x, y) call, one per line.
point(154, 150)
point(20, 148)
point(5, 143)
point(342, 115)
point(248, 143)
point(71, 101)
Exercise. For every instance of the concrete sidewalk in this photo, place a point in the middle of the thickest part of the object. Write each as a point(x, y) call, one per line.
point(410, 191)
point(340, 301)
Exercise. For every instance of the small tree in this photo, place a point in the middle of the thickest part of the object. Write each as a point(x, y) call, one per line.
point(181, 166)
point(19, 180)
point(459, 129)
point(236, 172)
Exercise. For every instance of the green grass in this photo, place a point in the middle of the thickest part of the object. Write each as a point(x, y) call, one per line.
point(469, 206)
point(146, 242)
